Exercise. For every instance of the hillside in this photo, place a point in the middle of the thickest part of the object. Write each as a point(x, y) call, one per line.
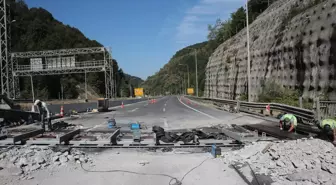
point(173, 76)
point(292, 44)
point(168, 79)
point(36, 29)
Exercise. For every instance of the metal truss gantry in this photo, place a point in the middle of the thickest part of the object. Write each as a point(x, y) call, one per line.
point(5, 64)
point(104, 65)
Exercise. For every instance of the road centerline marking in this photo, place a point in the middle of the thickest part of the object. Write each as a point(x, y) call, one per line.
point(205, 114)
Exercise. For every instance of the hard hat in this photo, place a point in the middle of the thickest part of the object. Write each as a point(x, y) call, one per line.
point(37, 101)
point(327, 129)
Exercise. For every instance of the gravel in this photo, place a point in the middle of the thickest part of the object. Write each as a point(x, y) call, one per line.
point(303, 161)
point(21, 161)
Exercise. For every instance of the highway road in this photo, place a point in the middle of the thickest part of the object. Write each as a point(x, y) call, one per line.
point(169, 112)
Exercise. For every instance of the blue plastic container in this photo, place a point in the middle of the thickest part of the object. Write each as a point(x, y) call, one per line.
point(135, 126)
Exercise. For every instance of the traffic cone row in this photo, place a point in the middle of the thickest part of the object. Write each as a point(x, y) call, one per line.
point(152, 101)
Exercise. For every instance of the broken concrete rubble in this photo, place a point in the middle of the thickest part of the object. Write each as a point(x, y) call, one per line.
point(24, 160)
point(310, 161)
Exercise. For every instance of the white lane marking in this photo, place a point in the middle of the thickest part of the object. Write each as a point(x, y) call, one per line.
point(205, 114)
point(164, 110)
point(96, 126)
point(133, 110)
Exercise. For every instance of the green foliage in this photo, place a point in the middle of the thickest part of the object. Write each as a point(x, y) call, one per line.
point(172, 77)
point(243, 97)
point(275, 93)
point(223, 30)
point(36, 29)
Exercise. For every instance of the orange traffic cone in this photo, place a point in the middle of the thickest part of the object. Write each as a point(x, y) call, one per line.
point(62, 111)
point(122, 105)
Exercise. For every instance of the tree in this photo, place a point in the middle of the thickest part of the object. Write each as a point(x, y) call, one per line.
point(36, 29)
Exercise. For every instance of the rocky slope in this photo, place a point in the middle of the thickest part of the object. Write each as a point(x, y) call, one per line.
point(299, 162)
point(292, 42)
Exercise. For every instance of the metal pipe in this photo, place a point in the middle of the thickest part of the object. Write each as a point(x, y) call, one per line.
point(248, 54)
point(188, 73)
point(32, 87)
point(85, 86)
point(196, 72)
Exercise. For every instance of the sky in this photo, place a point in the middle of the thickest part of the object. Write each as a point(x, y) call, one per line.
point(143, 34)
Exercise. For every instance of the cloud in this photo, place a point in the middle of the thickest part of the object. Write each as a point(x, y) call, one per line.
point(193, 26)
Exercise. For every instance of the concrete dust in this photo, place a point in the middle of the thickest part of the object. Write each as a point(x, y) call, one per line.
point(21, 162)
point(306, 161)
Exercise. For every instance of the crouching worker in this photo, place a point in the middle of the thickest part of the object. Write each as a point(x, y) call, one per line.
point(288, 122)
point(45, 114)
point(328, 127)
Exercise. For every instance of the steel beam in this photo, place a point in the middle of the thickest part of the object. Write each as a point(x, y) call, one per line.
point(60, 71)
point(113, 137)
point(60, 52)
point(25, 136)
point(241, 137)
point(12, 114)
point(6, 67)
point(68, 136)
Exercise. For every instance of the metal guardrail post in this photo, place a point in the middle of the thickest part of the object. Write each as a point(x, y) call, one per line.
point(300, 102)
point(238, 106)
point(318, 109)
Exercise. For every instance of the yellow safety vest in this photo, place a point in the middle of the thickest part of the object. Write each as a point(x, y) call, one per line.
point(330, 122)
point(291, 117)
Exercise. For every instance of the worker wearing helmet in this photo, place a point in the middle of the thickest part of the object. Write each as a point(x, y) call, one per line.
point(44, 111)
point(328, 127)
point(288, 120)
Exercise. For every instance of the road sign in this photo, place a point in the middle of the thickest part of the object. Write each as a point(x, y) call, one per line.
point(138, 91)
point(190, 91)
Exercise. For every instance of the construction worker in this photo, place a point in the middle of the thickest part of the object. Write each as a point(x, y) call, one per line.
point(45, 114)
point(288, 120)
point(328, 127)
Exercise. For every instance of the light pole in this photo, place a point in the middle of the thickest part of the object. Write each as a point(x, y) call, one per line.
point(196, 70)
point(188, 73)
point(130, 85)
point(248, 55)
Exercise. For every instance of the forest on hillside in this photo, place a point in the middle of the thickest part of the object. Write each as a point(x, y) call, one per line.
point(171, 78)
point(36, 29)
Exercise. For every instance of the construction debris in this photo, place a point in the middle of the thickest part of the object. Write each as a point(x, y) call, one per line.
point(303, 161)
point(22, 161)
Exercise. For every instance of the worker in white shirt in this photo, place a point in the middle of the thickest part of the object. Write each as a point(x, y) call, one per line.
point(45, 114)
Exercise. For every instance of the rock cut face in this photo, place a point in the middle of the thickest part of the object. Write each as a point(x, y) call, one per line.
point(293, 42)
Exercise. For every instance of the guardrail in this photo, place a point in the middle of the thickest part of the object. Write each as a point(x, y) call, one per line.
point(305, 114)
point(328, 109)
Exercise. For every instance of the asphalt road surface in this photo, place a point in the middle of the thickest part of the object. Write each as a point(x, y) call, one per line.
point(169, 112)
